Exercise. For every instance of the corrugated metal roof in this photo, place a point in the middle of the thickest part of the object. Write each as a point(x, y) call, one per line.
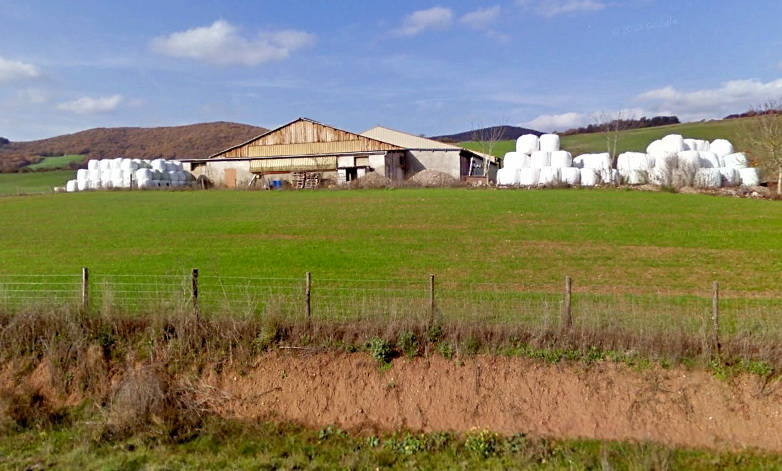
point(403, 139)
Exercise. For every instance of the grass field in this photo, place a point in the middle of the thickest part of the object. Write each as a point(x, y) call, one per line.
point(638, 139)
point(33, 182)
point(61, 162)
point(606, 239)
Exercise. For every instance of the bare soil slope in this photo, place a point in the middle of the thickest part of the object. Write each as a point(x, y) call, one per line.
point(511, 395)
point(508, 395)
point(195, 140)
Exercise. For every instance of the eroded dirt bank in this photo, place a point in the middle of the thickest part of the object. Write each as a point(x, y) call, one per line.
point(509, 395)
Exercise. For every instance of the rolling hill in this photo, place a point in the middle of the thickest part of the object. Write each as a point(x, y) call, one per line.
point(195, 140)
point(505, 132)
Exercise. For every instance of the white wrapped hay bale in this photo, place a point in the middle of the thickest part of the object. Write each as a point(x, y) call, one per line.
point(549, 176)
point(730, 176)
point(549, 142)
point(593, 161)
point(82, 185)
point(708, 178)
point(516, 160)
point(689, 159)
point(159, 165)
point(529, 176)
point(540, 159)
point(93, 164)
point(104, 165)
point(721, 147)
point(736, 160)
point(655, 147)
point(609, 176)
point(673, 143)
point(82, 174)
point(527, 144)
point(749, 176)
point(665, 160)
point(570, 175)
point(708, 159)
point(628, 161)
point(561, 159)
point(508, 176)
point(71, 186)
point(589, 177)
point(94, 175)
point(661, 176)
point(636, 177)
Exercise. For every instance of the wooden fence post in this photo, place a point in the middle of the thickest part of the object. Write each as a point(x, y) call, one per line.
point(567, 312)
point(194, 292)
point(85, 288)
point(308, 299)
point(715, 317)
point(432, 303)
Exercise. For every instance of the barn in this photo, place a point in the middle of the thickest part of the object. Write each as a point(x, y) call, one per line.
point(307, 154)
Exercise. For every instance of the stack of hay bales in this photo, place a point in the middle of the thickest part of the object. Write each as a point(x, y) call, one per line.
point(676, 160)
point(540, 161)
point(106, 174)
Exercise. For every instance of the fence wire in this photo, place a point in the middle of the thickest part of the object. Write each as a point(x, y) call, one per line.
point(355, 300)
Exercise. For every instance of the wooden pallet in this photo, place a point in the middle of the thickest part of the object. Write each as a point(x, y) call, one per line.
point(306, 181)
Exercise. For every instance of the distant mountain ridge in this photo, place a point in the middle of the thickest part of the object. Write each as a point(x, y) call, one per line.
point(505, 133)
point(193, 140)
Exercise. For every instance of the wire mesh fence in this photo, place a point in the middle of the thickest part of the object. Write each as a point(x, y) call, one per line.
point(337, 300)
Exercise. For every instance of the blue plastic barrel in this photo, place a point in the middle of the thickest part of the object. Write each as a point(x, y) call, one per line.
point(276, 184)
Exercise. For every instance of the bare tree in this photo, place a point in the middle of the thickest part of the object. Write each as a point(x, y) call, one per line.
point(611, 126)
point(486, 138)
point(765, 134)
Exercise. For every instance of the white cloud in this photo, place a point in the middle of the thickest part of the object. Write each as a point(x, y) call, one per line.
point(565, 121)
point(220, 43)
point(482, 18)
point(551, 8)
point(435, 18)
point(14, 70)
point(731, 97)
point(557, 122)
point(89, 105)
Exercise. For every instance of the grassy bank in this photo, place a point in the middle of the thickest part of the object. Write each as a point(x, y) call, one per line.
point(231, 445)
point(134, 400)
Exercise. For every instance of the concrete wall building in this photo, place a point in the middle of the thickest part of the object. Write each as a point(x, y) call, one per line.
point(305, 152)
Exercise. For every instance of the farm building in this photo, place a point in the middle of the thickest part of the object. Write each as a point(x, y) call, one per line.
point(305, 153)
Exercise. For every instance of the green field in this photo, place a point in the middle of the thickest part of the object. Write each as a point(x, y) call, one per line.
point(638, 139)
point(60, 162)
point(33, 182)
point(606, 239)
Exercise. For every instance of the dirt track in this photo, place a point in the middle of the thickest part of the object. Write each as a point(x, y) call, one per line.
point(509, 395)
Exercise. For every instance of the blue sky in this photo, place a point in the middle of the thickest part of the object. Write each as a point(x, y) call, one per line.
point(423, 67)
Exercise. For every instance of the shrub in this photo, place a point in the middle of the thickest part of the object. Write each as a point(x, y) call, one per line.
point(445, 349)
point(380, 350)
point(408, 344)
point(483, 443)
